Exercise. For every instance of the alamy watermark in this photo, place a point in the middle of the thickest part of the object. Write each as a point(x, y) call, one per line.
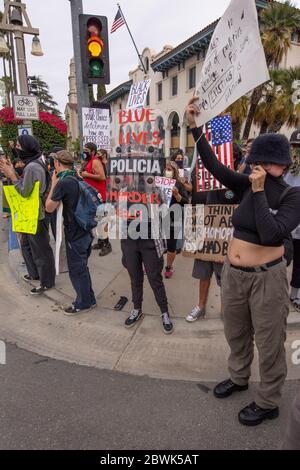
point(2, 353)
point(296, 353)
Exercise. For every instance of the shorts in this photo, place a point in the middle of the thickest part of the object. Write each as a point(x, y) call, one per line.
point(204, 270)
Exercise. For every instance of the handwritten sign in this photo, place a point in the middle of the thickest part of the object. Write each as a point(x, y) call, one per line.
point(24, 211)
point(166, 185)
point(211, 241)
point(96, 127)
point(235, 63)
point(138, 94)
point(26, 107)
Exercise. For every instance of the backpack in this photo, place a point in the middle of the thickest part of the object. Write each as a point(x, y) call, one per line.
point(287, 241)
point(88, 202)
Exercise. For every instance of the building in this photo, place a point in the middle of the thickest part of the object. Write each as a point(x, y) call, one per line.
point(174, 73)
point(71, 111)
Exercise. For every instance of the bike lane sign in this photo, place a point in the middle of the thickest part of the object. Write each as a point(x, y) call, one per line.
point(26, 107)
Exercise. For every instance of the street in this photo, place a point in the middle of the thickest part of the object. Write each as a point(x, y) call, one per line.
point(48, 404)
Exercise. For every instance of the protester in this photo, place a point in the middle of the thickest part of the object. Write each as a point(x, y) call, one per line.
point(36, 250)
point(181, 159)
point(103, 245)
point(293, 179)
point(146, 252)
point(65, 189)
point(255, 299)
point(204, 270)
point(51, 218)
point(244, 167)
point(93, 172)
point(180, 196)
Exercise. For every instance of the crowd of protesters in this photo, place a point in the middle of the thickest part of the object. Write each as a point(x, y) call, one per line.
point(253, 280)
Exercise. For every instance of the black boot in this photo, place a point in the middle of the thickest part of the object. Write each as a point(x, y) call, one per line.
point(253, 415)
point(227, 388)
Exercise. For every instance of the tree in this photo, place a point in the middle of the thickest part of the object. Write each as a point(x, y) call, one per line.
point(101, 92)
point(238, 112)
point(278, 22)
point(40, 89)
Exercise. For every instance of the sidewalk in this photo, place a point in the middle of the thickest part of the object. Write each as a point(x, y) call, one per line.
point(194, 352)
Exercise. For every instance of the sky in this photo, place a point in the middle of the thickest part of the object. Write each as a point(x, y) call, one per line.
point(153, 23)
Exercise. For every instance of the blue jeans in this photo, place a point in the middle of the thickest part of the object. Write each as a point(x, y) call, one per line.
point(78, 253)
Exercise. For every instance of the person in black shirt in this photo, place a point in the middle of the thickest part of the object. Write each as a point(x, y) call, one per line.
point(65, 189)
point(254, 286)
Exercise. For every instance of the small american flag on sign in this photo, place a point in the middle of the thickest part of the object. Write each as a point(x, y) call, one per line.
point(118, 22)
point(219, 134)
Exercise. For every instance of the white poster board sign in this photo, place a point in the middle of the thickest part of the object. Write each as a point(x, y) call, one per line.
point(96, 127)
point(235, 63)
point(138, 94)
point(26, 107)
point(166, 185)
point(25, 130)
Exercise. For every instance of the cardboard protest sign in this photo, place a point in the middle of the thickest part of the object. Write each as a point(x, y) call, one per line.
point(235, 63)
point(138, 94)
point(166, 185)
point(212, 240)
point(96, 127)
point(24, 211)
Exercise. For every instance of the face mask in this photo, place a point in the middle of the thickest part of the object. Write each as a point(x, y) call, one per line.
point(86, 156)
point(169, 174)
point(179, 163)
point(21, 154)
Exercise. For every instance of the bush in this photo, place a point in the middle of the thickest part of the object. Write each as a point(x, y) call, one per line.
point(50, 130)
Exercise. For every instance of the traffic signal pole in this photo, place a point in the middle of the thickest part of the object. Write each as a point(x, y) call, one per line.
point(82, 89)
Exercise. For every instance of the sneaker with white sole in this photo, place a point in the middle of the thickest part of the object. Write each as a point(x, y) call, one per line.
point(196, 314)
point(296, 304)
point(28, 278)
point(73, 311)
point(134, 317)
point(38, 290)
point(167, 323)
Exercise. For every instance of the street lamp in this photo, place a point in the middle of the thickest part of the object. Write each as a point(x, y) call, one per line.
point(14, 17)
point(36, 47)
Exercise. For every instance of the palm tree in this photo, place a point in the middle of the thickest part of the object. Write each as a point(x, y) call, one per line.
point(286, 109)
point(278, 22)
point(238, 112)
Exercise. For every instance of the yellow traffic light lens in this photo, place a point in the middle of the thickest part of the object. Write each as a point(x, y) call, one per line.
point(95, 46)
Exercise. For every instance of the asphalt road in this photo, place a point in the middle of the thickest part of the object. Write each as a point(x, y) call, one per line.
point(47, 404)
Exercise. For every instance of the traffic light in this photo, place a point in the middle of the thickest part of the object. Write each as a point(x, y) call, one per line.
point(94, 49)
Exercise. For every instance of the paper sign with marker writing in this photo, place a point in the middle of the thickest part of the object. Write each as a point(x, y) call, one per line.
point(24, 211)
point(138, 94)
point(235, 62)
point(166, 185)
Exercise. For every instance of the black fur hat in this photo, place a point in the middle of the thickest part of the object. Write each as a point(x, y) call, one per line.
point(270, 148)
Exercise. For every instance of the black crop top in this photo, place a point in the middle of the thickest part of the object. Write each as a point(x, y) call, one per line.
point(262, 218)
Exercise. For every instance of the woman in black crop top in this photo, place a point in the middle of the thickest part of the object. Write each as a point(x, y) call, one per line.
point(255, 298)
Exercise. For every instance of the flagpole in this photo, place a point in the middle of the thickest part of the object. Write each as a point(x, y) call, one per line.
point(139, 56)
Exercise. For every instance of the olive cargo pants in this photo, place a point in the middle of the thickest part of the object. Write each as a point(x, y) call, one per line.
point(255, 307)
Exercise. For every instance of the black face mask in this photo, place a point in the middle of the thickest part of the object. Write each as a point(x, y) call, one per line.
point(22, 155)
point(179, 163)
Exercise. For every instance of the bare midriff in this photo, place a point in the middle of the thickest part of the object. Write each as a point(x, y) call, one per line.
point(247, 254)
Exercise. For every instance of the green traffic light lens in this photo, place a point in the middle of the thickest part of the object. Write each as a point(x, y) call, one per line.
point(96, 68)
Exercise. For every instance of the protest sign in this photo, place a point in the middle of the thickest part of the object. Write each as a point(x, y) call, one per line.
point(218, 133)
point(96, 127)
point(138, 94)
point(166, 185)
point(24, 211)
point(235, 62)
point(212, 240)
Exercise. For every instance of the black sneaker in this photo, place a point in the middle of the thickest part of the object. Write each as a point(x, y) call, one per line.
point(28, 278)
point(253, 415)
point(106, 249)
point(38, 290)
point(227, 388)
point(134, 317)
point(167, 324)
point(72, 311)
point(98, 245)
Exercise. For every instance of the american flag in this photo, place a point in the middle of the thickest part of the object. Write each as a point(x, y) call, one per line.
point(118, 22)
point(219, 134)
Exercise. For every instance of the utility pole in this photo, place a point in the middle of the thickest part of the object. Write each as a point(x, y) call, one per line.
point(82, 89)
